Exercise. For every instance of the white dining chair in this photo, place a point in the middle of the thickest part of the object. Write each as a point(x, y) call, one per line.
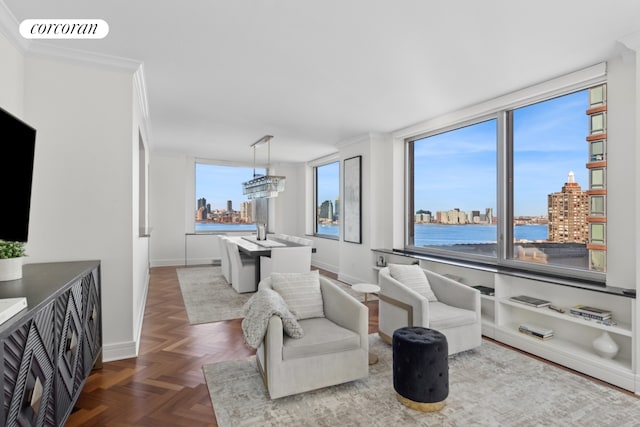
point(296, 259)
point(243, 270)
point(225, 262)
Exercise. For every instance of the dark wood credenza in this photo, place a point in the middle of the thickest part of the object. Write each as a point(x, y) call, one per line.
point(49, 349)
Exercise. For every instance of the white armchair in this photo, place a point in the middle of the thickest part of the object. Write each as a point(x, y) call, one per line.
point(294, 259)
point(333, 350)
point(454, 308)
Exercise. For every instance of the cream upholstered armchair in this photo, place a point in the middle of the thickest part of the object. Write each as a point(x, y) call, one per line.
point(334, 348)
point(412, 296)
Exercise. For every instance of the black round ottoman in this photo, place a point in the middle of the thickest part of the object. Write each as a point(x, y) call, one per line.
point(420, 368)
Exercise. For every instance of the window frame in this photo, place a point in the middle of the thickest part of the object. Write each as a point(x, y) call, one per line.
point(221, 163)
point(502, 109)
point(316, 206)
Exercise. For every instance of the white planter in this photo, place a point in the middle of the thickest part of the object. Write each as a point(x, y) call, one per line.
point(10, 269)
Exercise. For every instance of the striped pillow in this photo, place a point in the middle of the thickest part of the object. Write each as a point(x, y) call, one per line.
point(301, 292)
point(414, 278)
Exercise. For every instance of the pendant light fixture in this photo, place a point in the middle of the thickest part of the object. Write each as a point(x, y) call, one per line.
point(263, 186)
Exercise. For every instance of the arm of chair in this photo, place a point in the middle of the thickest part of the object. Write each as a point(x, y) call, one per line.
point(272, 346)
point(454, 293)
point(345, 310)
point(393, 289)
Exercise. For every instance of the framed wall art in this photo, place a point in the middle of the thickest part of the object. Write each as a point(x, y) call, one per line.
point(352, 200)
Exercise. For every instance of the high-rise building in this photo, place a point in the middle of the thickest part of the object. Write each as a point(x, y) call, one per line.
point(229, 206)
point(597, 166)
point(326, 210)
point(568, 211)
point(247, 212)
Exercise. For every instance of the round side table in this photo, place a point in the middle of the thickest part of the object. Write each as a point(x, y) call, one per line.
point(366, 289)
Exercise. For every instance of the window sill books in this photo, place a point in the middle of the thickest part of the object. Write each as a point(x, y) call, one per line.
point(536, 331)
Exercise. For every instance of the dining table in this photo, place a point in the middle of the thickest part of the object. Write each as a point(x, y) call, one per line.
point(251, 246)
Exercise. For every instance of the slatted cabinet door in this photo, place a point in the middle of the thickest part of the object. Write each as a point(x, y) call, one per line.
point(29, 371)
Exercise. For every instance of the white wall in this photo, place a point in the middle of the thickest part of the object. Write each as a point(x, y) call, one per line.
point(83, 188)
point(11, 79)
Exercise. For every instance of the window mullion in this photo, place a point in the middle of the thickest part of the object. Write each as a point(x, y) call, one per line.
point(505, 185)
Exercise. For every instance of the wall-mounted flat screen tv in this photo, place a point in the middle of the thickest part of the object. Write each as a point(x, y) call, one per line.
point(17, 145)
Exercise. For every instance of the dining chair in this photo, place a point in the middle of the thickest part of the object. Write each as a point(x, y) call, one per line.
point(225, 262)
point(295, 259)
point(243, 270)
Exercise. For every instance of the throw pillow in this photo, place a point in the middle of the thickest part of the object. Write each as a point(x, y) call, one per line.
point(301, 292)
point(414, 278)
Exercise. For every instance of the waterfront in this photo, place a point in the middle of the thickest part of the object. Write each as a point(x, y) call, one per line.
point(439, 234)
point(209, 227)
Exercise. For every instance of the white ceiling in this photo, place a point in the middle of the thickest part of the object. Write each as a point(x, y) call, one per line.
point(221, 74)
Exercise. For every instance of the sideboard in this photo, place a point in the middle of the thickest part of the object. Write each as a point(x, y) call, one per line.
point(49, 349)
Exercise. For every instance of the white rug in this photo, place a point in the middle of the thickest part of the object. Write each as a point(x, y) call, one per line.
point(209, 298)
point(489, 386)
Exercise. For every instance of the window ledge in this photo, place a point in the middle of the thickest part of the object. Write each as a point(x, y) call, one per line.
point(514, 272)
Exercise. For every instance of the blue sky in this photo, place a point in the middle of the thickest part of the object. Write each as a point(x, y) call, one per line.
point(457, 169)
point(329, 182)
point(218, 184)
point(213, 183)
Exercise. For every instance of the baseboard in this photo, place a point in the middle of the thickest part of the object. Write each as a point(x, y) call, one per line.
point(119, 351)
point(350, 279)
point(329, 267)
point(180, 262)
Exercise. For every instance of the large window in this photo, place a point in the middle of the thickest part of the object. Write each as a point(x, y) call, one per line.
point(525, 188)
point(454, 189)
point(327, 203)
point(220, 204)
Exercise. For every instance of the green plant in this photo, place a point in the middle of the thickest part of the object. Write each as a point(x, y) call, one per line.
point(11, 249)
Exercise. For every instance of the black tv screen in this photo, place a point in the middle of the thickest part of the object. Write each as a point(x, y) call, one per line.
point(17, 145)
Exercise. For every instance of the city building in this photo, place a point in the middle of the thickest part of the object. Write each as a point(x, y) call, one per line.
point(568, 211)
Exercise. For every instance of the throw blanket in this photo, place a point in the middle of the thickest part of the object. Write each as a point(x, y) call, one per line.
point(259, 309)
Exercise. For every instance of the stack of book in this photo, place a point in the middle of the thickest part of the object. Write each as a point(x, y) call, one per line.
point(485, 290)
point(590, 313)
point(531, 301)
point(536, 331)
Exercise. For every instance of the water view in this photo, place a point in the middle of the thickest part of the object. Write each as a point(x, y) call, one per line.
point(438, 234)
point(209, 227)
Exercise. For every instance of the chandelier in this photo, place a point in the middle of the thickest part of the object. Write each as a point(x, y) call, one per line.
point(263, 186)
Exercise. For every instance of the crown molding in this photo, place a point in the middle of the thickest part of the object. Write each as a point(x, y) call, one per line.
point(631, 41)
point(9, 27)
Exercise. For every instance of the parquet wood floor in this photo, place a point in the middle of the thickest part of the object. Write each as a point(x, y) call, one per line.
point(164, 385)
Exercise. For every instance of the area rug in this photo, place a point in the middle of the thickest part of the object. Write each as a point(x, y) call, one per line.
point(489, 386)
point(209, 298)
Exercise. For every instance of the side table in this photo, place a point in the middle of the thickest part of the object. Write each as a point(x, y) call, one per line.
point(366, 289)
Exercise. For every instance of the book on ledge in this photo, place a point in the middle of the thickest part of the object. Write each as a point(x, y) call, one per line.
point(536, 331)
point(590, 312)
point(9, 307)
point(531, 301)
point(485, 290)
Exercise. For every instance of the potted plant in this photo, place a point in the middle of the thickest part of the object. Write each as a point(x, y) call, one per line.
point(11, 255)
